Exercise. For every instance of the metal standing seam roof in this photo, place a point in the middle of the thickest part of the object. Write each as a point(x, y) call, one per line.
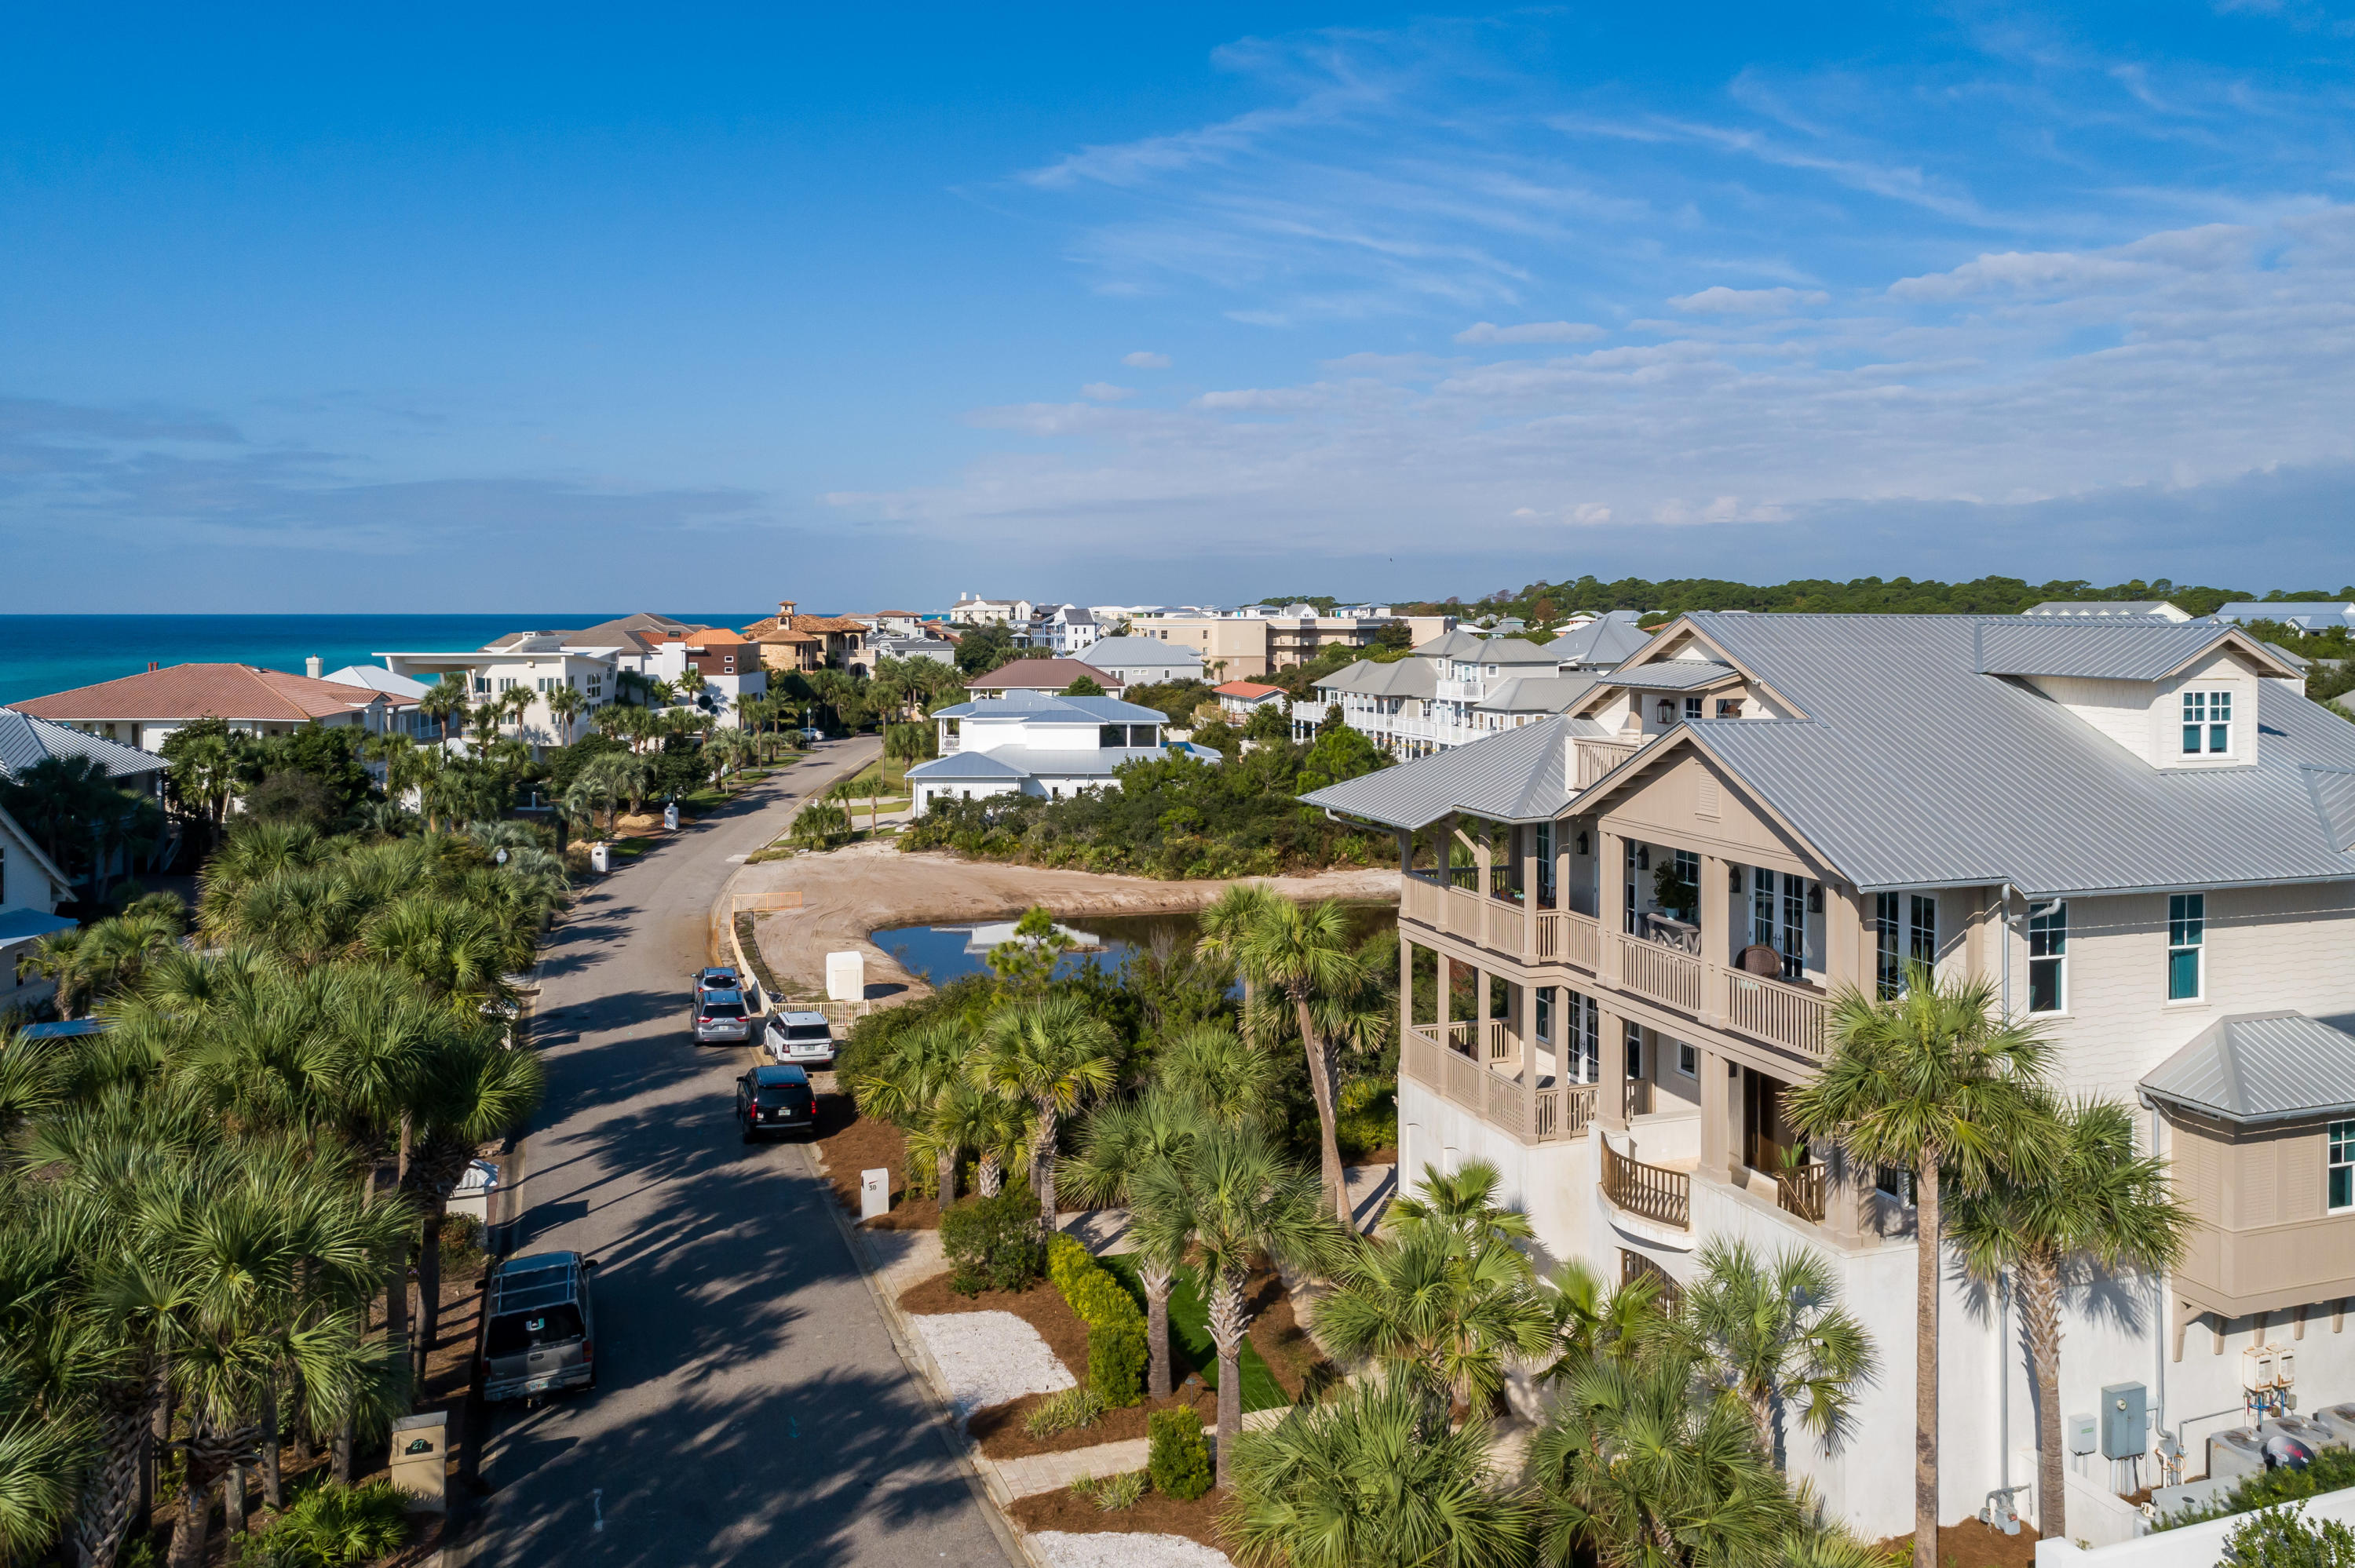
point(25, 740)
point(1670, 675)
point(1609, 641)
point(2262, 1068)
point(1054, 708)
point(1017, 762)
point(23, 925)
point(1399, 678)
point(1914, 770)
point(1536, 694)
point(2102, 648)
point(1514, 776)
point(1134, 652)
point(2334, 801)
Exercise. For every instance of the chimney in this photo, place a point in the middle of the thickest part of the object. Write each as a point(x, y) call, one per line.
point(314, 666)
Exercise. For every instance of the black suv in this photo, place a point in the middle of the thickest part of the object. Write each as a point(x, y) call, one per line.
point(774, 1099)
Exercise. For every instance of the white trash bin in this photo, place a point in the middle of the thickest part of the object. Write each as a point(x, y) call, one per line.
point(846, 977)
point(601, 858)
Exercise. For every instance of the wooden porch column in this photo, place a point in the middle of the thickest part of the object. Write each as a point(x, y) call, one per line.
point(1609, 899)
point(1848, 934)
point(1716, 931)
point(1563, 837)
point(1527, 835)
point(1844, 1197)
point(1719, 1159)
point(1446, 1000)
point(1406, 985)
point(1611, 1085)
point(1519, 1009)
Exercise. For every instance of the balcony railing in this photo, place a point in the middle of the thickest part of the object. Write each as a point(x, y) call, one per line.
point(1650, 1191)
point(1635, 1267)
point(1661, 973)
point(1800, 1191)
point(1596, 758)
point(1440, 1059)
point(1771, 1009)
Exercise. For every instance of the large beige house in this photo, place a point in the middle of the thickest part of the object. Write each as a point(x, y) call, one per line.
point(1621, 927)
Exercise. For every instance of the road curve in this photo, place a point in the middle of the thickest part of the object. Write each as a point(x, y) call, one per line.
point(750, 1406)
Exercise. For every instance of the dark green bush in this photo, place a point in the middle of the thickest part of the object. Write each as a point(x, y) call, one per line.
point(332, 1527)
point(993, 1243)
point(1116, 1342)
point(2333, 1469)
point(1180, 1460)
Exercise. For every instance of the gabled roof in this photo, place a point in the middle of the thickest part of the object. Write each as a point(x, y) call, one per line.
point(1605, 642)
point(376, 678)
point(2096, 608)
point(58, 878)
point(1514, 776)
point(1456, 642)
point(2289, 611)
point(1107, 653)
point(1054, 708)
point(1670, 675)
point(205, 691)
point(982, 767)
point(1251, 690)
point(1536, 694)
point(1039, 675)
point(1913, 767)
point(971, 765)
point(2260, 1067)
point(2106, 649)
point(25, 740)
point(1507, 651)
point(1398, 678)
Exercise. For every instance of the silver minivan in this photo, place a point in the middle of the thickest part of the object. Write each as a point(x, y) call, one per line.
point(539, 1327)
point(722, 1016)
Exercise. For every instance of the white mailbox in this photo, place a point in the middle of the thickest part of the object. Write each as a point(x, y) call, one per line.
point(601, 858)
point(874, 1193)
point(846, 977)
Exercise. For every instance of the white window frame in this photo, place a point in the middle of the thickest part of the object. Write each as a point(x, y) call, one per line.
point(2207, 722)
point(1688, 1060)
point(2187, 932)
point(2054, 913)
point(2339, 1154)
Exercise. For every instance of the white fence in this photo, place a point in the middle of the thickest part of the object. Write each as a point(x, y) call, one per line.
point(2198, 1545)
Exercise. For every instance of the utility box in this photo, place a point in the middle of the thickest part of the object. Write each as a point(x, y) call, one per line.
point(601, 858)
point(2125, 1421)
point(2081, 1430)
point(874, 1193)
point(419, 1459)
point(846, 977)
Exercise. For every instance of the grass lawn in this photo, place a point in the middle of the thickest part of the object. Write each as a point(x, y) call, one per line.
point(630, 849)
point(1190, 1345)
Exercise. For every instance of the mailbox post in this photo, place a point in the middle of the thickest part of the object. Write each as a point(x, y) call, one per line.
point(420, 1452)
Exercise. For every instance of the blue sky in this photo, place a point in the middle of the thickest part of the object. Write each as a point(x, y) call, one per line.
point(416, 310)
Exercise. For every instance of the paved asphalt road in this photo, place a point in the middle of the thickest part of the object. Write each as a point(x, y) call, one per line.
point(750, 1406)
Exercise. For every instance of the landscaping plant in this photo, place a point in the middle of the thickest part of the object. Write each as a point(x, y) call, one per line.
point(1067, 1411)
point(1178, 1460)
point(1116, 1342)
point(993, 1243)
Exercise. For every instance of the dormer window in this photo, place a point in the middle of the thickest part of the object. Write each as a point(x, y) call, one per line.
point(2208, 724)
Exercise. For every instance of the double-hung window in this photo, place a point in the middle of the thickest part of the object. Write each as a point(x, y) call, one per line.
point(2342, 1166)
point(2208, 724)
point(1888, 968)
point(1692, 708)
point(2187, 935)
point(2048, 956)
point(1545, 1012)
point(1921, 931)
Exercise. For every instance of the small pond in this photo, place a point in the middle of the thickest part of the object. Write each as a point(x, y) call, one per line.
point(943, 953)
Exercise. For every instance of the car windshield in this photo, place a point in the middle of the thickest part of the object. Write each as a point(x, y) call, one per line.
point(513, 1332)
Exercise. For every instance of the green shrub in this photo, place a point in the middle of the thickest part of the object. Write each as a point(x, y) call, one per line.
point(1111, 1493)
point(2333, 1469)
point(1066, 1412)
point(2280, 1537)
point(993, 1243)
point(332, 1527)
point(461, 1242)
point(1180, 1462)
point(1116, 1341)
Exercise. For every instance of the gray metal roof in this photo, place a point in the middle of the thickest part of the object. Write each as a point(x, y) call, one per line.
point(1054, 708)
point(1605, 642)
point(1456, 642)
point(1670, 675)
point(1514, 776)
point(1134, 652)
point(2260, 1067)
point(25, 740)
point(1398, 678)
point(2334, 802)
point(2307, 612)
point(1536, 694)
point(968, 765)
point(2107, 649)
point(1508, 653)
point(1912, 768)
point(1017, 763)
point(2096, 608)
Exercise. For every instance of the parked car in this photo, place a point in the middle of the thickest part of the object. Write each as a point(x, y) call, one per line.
point(538, 1326)
point(716, 979)
point(722, 1016)
point(773, 1098)
point(805, 1039)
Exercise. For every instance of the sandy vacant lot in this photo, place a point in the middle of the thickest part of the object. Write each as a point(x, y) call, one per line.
point(871, 886)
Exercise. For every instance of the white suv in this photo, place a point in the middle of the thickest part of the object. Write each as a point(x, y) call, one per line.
point(804, 1039)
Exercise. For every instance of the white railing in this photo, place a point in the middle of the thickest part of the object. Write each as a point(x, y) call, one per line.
point(1470, 691)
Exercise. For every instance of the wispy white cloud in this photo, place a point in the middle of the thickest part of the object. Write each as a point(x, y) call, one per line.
point(1144, 359)
point(1718, 300)
point(1531, 331)
point(1105, 392)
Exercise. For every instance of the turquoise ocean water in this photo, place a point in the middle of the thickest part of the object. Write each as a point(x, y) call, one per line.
point(44, 653)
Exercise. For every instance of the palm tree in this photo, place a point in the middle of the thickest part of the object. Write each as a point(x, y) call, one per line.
point(473, 1090)
point(1373, 1481)
point(1455, 1308)
point(564, 705)
point(1230, 1079)
point(1934, 1081)
point(1120, 1141)
point(1058, 1055)
point(1463, 1204)
point(1774, 1334)
point(2101, 1206)
point(906, 1083)
point(1234, 1204)
point(1302, 953)
point(444, 702)
point(1592, 1321)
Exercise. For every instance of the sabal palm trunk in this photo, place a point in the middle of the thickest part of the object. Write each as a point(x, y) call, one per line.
point(1043, 1162)
point(944, 1170)
point(1925, 1363)
point(1156, 1278)
point(1228, 1323)
point(1320, 1085)
point(273, 1491)
point(119, 1486)
point(991, 1178)
point(429, 1285)
point(2038, 1277)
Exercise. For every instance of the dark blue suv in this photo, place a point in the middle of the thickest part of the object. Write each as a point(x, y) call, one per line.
point(775, 1098)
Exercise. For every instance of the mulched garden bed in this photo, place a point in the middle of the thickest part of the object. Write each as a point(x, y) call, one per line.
point(1971, 1544)
point(998, 1429)
point(1153, 1514)
point(852, 1143)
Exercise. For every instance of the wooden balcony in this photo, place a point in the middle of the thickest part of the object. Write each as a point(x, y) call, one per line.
point(1596, 758)
point(1660, 972)
point(1443, 1061)
point(1775, 1012)
point(1649, 1191)
point(1800, 1191)
point(1564, 938)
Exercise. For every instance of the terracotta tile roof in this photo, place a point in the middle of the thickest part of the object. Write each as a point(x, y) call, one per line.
point(786, 637)
point(201, 691)
point(1251, 689)
point(761, 630)
point(1041, 676)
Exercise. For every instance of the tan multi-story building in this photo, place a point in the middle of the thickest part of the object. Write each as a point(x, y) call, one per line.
point(792, 641)
point(1248, 643)
point(1622, 930)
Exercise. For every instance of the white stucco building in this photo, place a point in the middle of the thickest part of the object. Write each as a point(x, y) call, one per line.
point(2140, 834)
point(1028, 743)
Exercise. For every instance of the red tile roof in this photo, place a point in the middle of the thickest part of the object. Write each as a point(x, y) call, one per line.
point(1041, 676)
point(1252, 690)
point(202, 691)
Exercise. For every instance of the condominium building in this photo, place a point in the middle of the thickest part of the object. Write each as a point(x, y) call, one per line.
point(1259, 640)
point(1462, 687)
point(1622, 927)
point(971, 609)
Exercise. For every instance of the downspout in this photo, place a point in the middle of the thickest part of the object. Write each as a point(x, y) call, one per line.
point(2159, 1322)
point(2003, 1294)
